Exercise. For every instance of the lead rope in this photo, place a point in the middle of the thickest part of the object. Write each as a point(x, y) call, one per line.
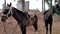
point(14, 29)
point(4, 22)
point(11, 15)
point(4, 27)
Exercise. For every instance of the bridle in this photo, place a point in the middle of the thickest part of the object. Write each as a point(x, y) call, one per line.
point(8, 12)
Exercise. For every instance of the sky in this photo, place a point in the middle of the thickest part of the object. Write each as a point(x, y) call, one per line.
point(33, 4)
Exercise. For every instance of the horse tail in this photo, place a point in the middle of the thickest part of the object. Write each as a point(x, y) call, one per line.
point(35, 24)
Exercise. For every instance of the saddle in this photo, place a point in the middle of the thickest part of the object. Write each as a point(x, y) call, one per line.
point(29, 14)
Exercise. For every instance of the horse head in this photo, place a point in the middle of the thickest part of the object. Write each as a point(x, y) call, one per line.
point(6, 12)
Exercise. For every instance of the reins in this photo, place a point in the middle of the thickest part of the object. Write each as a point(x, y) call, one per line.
point(8, 12)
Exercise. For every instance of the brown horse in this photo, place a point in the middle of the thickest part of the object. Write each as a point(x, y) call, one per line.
point(24, 18)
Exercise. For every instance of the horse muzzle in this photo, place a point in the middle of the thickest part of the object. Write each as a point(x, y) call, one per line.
point(3, 20)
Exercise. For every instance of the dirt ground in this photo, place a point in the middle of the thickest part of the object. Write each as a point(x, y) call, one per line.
point(12, 23)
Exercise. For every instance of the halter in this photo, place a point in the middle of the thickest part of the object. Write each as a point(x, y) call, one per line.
point(8, 12)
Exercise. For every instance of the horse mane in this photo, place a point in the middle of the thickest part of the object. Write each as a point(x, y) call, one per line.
point(19, 11)
point(48, 10)
point(44, 12)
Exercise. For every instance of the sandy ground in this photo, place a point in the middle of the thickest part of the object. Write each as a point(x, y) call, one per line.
point(12, 23)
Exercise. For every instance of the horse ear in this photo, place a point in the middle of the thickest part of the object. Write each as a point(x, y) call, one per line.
point(7, 4)
point(10, 4)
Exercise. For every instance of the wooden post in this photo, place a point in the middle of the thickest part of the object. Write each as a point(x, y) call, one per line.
point(23, 5)
point(43, 5)
point(5, 3)
point(51, 3)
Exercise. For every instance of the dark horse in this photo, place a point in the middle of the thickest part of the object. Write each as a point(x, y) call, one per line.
point(24, 18)
point(48, 17)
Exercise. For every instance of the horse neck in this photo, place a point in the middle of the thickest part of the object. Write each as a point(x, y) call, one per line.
point(49, 13)
point(52, 10)
point(18, 14)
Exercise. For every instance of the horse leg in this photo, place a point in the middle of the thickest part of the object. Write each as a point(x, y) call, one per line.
point(35, 24)
point(35, 27)
point(50, 28)
point(46, 25)
point(23, 29)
